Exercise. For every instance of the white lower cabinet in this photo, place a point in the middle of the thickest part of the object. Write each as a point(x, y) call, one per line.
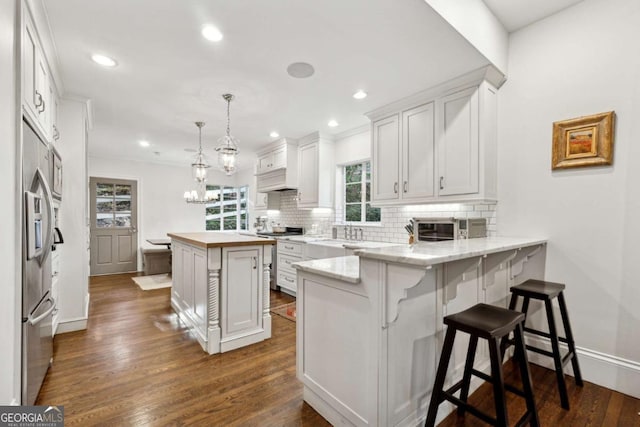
point(241, 305)
point(55, 287)
point(222, 294)
point(288, 253)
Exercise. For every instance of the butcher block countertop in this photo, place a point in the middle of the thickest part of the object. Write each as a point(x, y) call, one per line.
point(216, 239)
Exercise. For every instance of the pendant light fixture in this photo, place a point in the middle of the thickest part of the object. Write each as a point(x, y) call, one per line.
point(227, 145)
point(199, 173)
point(200, 166)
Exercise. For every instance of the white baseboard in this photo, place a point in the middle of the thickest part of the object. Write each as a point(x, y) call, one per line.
point(608, 371)
point(71, 325)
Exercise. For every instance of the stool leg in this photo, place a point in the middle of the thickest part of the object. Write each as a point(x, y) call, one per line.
point(503, 342)
point(570, 342)
point(436, 393)
point(498, 383)
point(525, 374)
point(557, 359)
point(468, 366)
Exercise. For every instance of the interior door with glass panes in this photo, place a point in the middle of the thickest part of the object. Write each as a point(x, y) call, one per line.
point(114, 226)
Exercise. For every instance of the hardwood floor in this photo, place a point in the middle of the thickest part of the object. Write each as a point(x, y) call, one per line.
point(591, 405)
point(136, 365)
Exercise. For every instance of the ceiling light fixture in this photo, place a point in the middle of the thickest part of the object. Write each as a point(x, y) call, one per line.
point(199, 173)
point(360, 94)
point(211, 33)
point(228, 145)
point(103, 60)
point(332, 123)
point(144, 143)
point(274, 134)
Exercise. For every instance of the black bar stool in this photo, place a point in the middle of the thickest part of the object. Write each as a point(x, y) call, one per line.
point(547, 291)
point(491, 323)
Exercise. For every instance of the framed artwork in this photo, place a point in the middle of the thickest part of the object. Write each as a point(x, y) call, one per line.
point(584, 141)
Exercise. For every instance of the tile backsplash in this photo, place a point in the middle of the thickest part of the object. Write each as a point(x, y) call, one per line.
point(393, 219)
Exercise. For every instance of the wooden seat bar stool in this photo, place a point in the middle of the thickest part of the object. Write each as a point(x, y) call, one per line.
point(491, 323)
point(546, 292)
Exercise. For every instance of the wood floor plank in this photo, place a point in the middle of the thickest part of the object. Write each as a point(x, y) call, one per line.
point(138, 365)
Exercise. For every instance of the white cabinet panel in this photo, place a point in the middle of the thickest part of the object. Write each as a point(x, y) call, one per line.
point(386, 159)
point(200, 280)
point(418, 153)
point(458, 145)
point(308, 180)
point(241, 306)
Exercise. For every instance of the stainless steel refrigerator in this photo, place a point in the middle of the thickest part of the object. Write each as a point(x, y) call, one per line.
point(37, 239)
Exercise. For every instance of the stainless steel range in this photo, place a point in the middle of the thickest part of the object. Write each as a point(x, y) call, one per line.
point(289, 231)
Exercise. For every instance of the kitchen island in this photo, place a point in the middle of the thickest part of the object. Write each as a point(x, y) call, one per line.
point(370, 330)
point(221, 287)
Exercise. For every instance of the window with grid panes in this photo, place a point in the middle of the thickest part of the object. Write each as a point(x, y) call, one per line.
point(230, 211)
point(357, 194)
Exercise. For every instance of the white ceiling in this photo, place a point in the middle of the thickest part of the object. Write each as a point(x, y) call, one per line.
point(169, 76)
point(515, 14)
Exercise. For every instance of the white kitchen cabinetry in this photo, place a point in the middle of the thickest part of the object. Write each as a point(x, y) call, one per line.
point(241, 302)
point(316, 173)
point(55, 287)
point(222, 292)
point(467, 150)
point(288, 253)
point(438, 146)
point(270, 201)
point(277, 166)
point(40, 96)
point(404, 156)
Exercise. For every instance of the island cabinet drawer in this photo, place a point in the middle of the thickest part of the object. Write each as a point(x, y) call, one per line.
point(287, 280)
point(285, 261)
point(288, 247)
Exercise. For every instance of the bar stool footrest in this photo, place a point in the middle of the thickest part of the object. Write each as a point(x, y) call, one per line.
point(471, 409)
point(544, 334)
point(489, 379)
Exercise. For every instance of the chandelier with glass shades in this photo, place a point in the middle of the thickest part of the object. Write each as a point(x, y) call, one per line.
point(199, 173)
point(227, 148)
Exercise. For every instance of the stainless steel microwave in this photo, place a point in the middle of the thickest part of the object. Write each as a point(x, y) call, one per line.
point(442, 229)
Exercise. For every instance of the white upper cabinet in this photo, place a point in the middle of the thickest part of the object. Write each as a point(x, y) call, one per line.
point(403, 156)
point(316, 172)
point(386, 159)
point(270, 201)
point(277, 166)
point(438, 146)
point(39, 95)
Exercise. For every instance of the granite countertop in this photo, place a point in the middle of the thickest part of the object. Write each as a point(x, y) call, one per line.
point(215, 239)
point(346, 268)
point(424, 254)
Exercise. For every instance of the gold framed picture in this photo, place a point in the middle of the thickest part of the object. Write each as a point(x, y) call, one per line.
point(584, 141)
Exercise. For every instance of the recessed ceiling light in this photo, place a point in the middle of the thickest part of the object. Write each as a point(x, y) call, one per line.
point(144, 143)
point(300, 70)
point(103, 60)
point(211, 33)
point(332, 123)
point(274, 134)
point(360, 94)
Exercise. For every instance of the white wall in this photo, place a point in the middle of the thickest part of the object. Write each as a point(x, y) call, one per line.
point(10, 286)
point(74, 259)
point(476, 23)
point(161, 207)
point(582, 61)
